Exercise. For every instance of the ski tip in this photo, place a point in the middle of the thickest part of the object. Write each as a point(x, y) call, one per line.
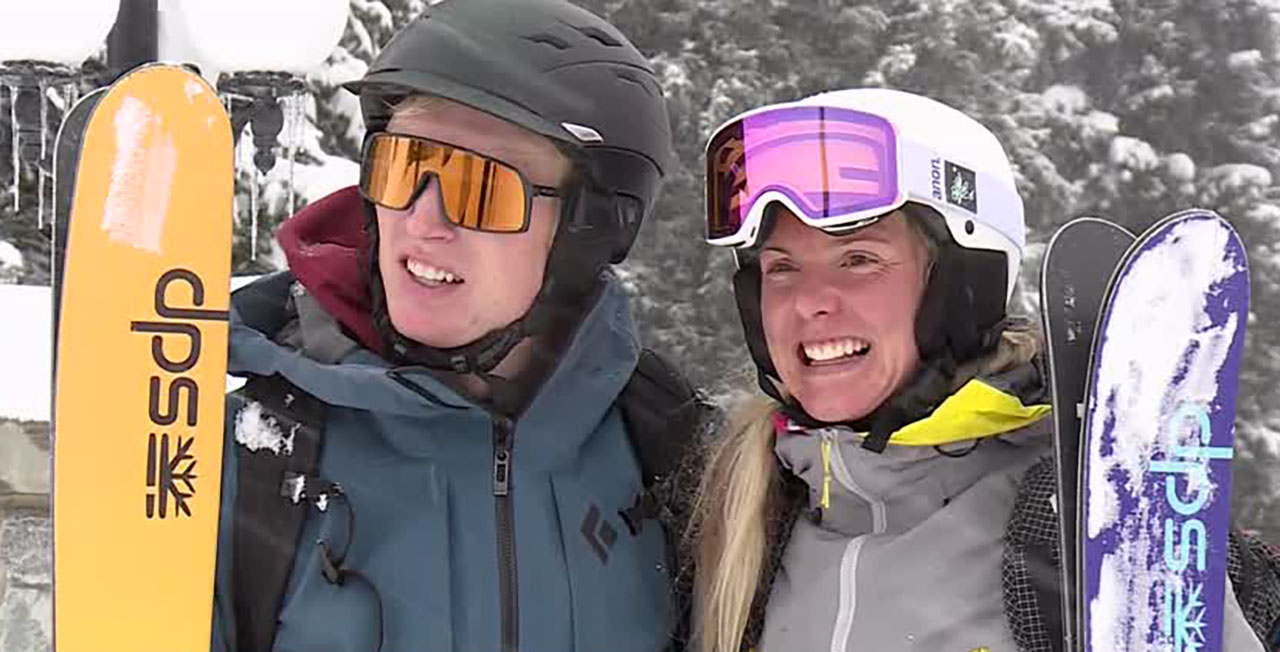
point(150, 81)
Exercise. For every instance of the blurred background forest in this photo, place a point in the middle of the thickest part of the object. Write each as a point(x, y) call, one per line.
point(1117, 108)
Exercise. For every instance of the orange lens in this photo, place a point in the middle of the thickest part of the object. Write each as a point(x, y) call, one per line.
point(477, 192)
point(482, 194)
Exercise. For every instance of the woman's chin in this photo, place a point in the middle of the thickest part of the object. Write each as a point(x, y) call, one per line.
point(835, 409)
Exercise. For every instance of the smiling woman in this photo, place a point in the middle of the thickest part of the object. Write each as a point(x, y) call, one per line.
point(863, 504)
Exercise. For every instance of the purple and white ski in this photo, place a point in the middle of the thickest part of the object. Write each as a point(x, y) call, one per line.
point(1156, 458)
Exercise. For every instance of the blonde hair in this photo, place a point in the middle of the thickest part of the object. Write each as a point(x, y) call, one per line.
point(739, 489)
point(741, 492)
point(415, 106)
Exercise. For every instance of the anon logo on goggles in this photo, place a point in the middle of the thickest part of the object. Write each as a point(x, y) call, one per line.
point(477, 191)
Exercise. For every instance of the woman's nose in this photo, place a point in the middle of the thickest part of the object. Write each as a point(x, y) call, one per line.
point(816, 298)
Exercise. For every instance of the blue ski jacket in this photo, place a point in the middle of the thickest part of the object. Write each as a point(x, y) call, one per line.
point(448, 556)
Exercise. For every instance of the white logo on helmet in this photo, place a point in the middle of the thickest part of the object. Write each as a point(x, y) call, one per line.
point(584, 134)
point(935, 176)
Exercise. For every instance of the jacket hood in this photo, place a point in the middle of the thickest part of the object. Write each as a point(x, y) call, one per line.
point(578, 394)
point(328, 251)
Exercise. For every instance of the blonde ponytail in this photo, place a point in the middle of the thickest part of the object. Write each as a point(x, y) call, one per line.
point(738, 490)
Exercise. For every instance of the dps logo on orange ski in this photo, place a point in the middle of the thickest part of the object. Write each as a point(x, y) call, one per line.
point(141, 369)
point(170, 462)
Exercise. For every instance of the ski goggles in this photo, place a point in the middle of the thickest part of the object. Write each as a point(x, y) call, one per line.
point(835, 169)
point(477, 191)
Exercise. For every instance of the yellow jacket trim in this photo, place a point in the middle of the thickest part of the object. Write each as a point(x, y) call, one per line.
point(976, 410)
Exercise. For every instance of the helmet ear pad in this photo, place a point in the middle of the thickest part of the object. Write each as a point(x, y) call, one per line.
point(963, 304)
point(619, 190)
point(746, 291)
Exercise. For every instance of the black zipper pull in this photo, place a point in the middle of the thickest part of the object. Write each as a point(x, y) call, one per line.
point(501, 456)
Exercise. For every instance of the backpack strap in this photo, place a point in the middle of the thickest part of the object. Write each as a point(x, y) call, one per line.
point(269, 507)
point(664, 415)
point(665, 420)
point(272, 483)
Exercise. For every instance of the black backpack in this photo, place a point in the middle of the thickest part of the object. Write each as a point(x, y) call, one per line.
point(662, 411)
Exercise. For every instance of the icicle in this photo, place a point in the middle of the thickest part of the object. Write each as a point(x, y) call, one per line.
point(13, 123)
point(235, 161)
point(255, 179)
point(258, 179)
point(295, 116)
point(72, 93)
point(44, 154)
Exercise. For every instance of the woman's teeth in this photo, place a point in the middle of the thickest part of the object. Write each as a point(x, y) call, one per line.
point(431, 275)
point(835, 349)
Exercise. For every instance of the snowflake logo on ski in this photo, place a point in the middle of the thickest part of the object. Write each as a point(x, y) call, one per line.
point(170, 474)
point(1185, 618)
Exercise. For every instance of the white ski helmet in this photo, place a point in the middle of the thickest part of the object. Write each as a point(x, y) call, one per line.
point(843, 160)
point(949, 136)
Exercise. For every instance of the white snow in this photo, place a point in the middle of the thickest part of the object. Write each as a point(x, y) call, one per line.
point(1235, 176)
point(1065, 98)
point(28, 29)
point(1269, 435)
point(134, 212)
point(1133, 153)
point(1101, 122)
point(297, 485)
point(334, 173)
point(26, 351)
point(1138, 356)
point(1180, 166)
point(257, 431)
point(193, 89)
point(286, 35)
point(9, 255)
point(1244, 60)
point(1262, 127)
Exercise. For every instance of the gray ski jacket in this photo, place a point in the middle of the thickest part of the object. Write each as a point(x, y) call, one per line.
point(905, 552)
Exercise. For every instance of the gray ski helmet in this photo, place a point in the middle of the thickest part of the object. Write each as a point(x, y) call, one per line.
point(550, 67)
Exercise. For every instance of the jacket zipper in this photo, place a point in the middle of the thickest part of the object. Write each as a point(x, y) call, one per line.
point(504, 522)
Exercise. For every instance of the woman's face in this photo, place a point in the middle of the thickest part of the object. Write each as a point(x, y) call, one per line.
point(839, 312)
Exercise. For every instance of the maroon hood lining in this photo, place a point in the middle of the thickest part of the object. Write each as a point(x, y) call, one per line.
point(328, 252)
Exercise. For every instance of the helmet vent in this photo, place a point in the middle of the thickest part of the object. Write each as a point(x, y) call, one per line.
point(599, 35)
point(549, 39)
point(627, 75)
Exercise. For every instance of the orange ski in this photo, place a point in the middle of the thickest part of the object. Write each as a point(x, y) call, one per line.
point(141, 368)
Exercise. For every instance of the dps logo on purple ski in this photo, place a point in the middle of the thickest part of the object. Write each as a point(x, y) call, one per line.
point(173, 399)
point(1186, 546)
